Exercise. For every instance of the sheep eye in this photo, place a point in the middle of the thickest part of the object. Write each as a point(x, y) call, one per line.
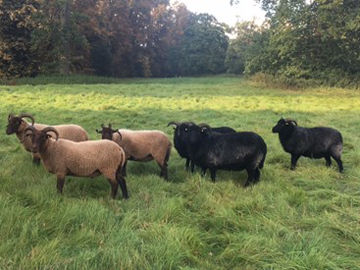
point(186, 129)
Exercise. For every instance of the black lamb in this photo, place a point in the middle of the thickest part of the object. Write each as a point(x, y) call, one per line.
point(317, 142)
point(230, 151)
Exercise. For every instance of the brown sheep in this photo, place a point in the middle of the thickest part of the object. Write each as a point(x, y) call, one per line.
point(17, 125)
point(85, 159)
point(141, 145)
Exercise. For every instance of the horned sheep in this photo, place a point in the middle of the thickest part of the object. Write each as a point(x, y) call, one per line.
point(316, 142)
point(229, 151)
point(141, 145)
point(17, 125)
point(85, 159)
point(180, 144)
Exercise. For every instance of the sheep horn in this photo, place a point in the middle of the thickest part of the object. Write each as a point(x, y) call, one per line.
point(289, 120)
point(51, 129)
point(173, 123)
point(10, 116)
point(119, 134)
point(28, 116)
point(31, 128)
point(102, 125)
point(204, 126)
point(109, 125)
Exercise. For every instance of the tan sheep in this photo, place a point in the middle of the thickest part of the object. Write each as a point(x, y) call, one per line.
point(142, 145)
point(85, 159)
point(17, 125)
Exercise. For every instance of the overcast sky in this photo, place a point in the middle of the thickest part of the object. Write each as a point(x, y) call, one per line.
point(247, 10)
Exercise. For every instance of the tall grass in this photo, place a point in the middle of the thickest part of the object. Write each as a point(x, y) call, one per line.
point(303, 219)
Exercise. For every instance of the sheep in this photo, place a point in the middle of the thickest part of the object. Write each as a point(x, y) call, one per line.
point(85, 159)
point(141, 145)
point(17, 125)
point(180, 139)
point(316, 142)
point(230, 151)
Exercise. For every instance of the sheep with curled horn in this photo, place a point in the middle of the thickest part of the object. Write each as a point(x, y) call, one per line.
point(17, 125)
point(141, 145)
point(85, 159)
point(316, 142)
point(230, 151)
point(180, 141)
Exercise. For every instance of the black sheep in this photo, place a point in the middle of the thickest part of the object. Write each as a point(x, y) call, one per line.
point(231, 151)
point(317, 142)
point(180, 139)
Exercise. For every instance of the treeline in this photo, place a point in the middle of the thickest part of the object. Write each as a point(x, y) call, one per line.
point(300, 40)
point(118, 38)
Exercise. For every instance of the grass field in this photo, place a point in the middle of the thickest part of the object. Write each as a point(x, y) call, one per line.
point(303, 219)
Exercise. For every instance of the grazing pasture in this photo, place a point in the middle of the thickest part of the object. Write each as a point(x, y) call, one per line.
point(303, 219)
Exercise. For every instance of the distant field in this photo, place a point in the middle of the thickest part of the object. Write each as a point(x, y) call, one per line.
point(303, 219)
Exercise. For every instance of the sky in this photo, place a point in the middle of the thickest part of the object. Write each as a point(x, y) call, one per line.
point(247, 10)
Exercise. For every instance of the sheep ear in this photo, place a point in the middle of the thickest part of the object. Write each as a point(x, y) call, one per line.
point(98, 131)
point(48, 136)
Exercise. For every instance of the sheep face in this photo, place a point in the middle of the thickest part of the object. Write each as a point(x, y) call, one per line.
point(284, 125)
point(107, 132)
point(39, 137)
point(181, 130)
point(14, 122)
point(195, 134)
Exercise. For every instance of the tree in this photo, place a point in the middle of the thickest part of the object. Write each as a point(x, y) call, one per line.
point(16, 57)
point(203, 46)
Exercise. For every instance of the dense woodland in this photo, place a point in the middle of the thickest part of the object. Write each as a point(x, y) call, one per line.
point(300, 39)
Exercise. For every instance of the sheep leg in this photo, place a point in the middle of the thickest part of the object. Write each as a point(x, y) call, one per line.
point(294, 159)
point(124, 169)
point(213, 174)
point(114, 187)
point(339, 163)
point(163, 168)
point(328, 161)
point(121, 180)
point(192, 166)
point(187, 164)
point(164, 172)
point(257, 175)
point(251, 174)
point(203, 171)
point(36, 160)
point(60, 184)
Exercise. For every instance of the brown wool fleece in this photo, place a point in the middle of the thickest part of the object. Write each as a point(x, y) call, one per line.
point(70, 132)
point(64, 157)
point(144, 145)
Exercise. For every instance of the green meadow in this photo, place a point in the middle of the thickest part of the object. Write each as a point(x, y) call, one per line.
point(303, 219)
